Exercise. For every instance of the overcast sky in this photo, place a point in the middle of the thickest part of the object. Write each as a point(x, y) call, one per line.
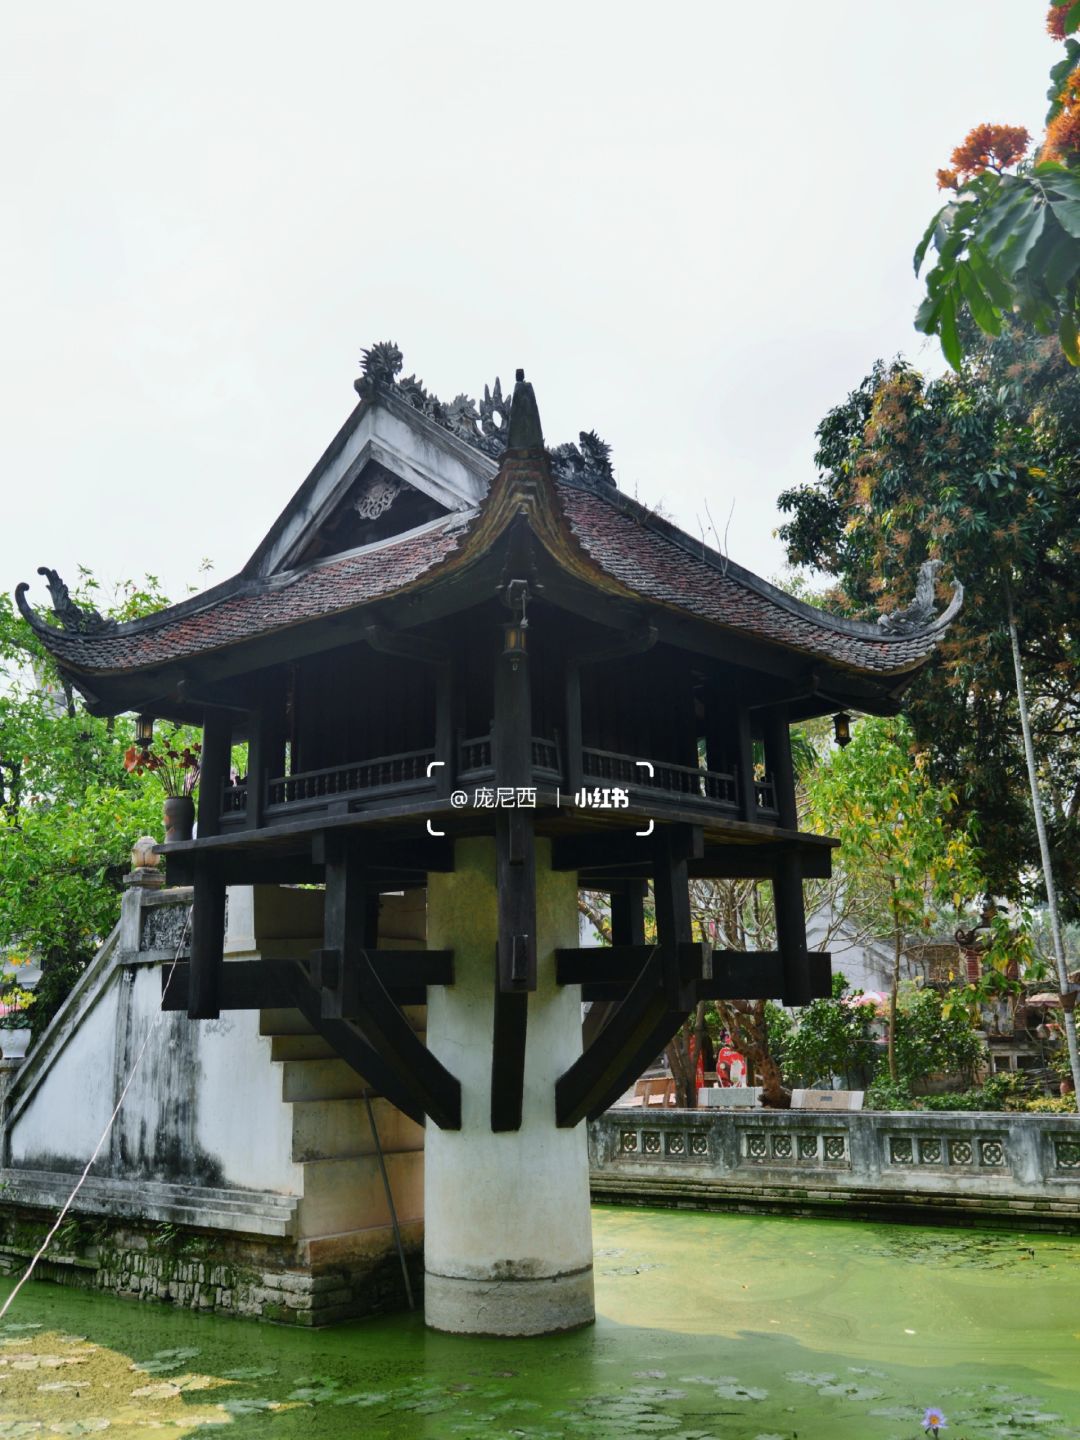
point(691, 223)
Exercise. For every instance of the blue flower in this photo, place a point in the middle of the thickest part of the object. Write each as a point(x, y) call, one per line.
point(933, 1420)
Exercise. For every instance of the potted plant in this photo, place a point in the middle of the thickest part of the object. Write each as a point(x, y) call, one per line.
point(177, 771)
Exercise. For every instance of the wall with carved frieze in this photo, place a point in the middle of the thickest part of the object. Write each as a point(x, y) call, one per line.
point(1022, 1168)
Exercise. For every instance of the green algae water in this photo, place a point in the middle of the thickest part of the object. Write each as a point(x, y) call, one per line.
point(710, 1327)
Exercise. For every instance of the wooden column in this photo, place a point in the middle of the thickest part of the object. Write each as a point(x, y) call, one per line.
point(515, 845)
point(208, 913)
point(627, 928)
point(515, 860)
point(207, 940)
point(628, 914)
point(744, 761)
point(266, 745)
point(721, 738)
point(791, 929)
point(779, 765)
point(351, 914)
point(444, 728)
point(574, 773)
point(216, 752)
point(258, 749)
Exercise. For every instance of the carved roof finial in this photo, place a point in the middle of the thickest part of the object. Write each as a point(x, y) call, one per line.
point(920, 614)
point(524, 432)
point(382, 364)
point(75, 618)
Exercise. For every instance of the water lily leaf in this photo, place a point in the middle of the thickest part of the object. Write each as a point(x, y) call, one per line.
point(249, 1407)
point(316, 1389)
point(740, 1392)
point(162, 1361)
point(160, 1390)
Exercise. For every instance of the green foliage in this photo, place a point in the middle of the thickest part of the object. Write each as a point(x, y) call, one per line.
point(832, 1037)
point(898, 858)
point(1007, 242)
point(69, 812)
point(886, 1094)
point(977, 470)
point(934, 1038)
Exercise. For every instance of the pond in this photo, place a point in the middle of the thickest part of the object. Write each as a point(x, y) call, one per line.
point(710, 1325)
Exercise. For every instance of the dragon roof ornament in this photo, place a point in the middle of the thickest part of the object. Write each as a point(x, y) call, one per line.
point(485, 425)
point(921, 614)
point(76, 619)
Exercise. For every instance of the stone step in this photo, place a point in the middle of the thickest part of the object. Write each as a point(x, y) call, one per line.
point(300, 1047)
point(319, 1080)
point(331, 1129)
point(350, 1246)
point(348, 1194)
point(283, 1022)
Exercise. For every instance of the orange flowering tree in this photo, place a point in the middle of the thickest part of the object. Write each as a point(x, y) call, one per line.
point(1008, 238)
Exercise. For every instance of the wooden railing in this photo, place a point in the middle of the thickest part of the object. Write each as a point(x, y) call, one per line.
point(475, 757)
point(409, 770)
point(686, 782)
point(765, 795)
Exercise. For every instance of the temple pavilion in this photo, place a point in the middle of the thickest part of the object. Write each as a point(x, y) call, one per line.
point(464, 662)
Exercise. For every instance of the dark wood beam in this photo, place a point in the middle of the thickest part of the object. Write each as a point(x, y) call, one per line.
point(508, 1059)
point(401, 972)
point(791, 929)
point(214, 766)
point(383, 854)
point(248, 869)
point(592, 854)
point(620, 964)
point(285, 984)
point(634, 1035)
point(417, 1072)
point(777, 731)
point(207, 941)
point(350, 926)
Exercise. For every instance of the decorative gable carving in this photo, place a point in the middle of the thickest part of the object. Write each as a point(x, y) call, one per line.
point(375, 506)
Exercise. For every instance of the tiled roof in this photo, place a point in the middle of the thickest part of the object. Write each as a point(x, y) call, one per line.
point(646, 555)
point(262, 606)
point(660, 563)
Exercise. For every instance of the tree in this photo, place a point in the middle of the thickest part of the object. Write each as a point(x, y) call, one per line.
point(1009, 238)
point(903, 867)
point(977, 470)
point(69, 812)
point(832, 1037)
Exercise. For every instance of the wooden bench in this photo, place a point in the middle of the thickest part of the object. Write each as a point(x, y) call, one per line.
point(658, 1091)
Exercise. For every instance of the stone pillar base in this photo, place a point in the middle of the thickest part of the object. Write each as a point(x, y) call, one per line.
point(509, 1307)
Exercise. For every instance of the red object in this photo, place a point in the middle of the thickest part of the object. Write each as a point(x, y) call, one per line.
point(725, 1056)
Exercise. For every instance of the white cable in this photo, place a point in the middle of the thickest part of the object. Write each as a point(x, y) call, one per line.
point(108, 1126)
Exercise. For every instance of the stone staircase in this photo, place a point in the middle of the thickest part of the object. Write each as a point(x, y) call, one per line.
point(344, 1212)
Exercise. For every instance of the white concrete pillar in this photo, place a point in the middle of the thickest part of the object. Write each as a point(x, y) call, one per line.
point(508, 1235)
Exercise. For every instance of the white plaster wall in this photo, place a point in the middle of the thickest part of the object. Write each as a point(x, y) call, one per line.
point(866, 966)
point(204, 1106)
point(61, 1124)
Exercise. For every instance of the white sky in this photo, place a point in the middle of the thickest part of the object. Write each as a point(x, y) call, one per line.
point(692, 224)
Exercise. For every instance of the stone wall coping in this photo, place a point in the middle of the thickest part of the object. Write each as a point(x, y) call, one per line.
point(240, 1212)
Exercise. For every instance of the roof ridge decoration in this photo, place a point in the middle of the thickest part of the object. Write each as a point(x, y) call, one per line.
point(78, 619)
point(485, 426)
point(921, 614)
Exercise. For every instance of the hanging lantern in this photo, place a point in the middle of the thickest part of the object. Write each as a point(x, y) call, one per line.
point(514, 641)
point(842, 728)
point(517, 597)
point(144, 731)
